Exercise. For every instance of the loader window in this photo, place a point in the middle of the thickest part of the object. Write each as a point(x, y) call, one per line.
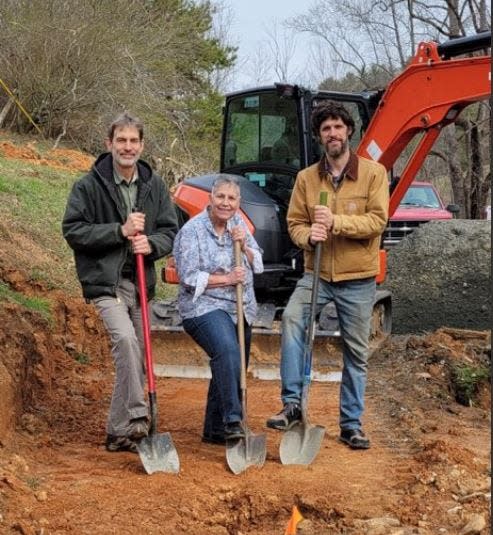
point(261, 128)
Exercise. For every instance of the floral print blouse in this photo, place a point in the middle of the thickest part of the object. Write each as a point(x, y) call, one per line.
point(199, 252)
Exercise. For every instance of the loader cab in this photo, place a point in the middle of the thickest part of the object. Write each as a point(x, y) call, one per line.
point(263, 142)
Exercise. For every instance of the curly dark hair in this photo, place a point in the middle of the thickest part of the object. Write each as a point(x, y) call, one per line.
point(330, 110)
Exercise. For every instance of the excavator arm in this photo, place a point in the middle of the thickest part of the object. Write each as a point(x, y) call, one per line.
point(428, 95)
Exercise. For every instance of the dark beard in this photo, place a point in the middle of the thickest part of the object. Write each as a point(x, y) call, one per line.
point(336, 153)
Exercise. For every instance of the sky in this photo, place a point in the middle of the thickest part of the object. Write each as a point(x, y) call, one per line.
point(252, 20)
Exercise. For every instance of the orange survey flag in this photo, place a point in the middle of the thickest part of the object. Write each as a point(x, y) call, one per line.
point(293, 521)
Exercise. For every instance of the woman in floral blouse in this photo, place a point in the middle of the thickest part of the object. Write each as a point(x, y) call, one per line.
point(204, 256)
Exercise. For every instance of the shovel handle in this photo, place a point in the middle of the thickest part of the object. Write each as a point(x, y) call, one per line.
point(239, 313)
point(313, 305)
point(141, 281)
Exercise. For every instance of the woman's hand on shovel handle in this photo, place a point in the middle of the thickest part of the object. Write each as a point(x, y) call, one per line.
point(237, 275)
point(238, 234)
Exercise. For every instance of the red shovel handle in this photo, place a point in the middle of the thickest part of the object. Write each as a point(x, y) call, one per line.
point(141, 281)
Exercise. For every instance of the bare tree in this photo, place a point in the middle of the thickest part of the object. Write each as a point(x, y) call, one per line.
point(282, 44)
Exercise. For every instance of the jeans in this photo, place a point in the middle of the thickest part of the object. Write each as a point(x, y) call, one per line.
point(215, 332)
point(354, 304)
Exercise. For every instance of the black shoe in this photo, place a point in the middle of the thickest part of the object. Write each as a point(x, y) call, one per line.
point(233, 430)
point(284, 420)
point(117, 443)
point(355, 439)
point(138, 429)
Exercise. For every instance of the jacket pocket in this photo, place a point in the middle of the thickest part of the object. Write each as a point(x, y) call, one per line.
point(354, 256)
point(351, 205)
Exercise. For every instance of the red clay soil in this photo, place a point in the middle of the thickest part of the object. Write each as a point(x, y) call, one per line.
point(427, 471)
point(59, 158)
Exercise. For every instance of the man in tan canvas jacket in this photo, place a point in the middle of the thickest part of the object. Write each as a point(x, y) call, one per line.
point(350, 227)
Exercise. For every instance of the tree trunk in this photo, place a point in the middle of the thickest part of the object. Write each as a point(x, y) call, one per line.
point(5, 110)
point(455, 172)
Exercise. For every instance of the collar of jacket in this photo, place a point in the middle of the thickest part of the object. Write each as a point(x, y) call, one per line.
point(104, 167)
point(351, 169)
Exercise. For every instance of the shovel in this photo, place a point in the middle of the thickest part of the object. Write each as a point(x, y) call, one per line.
point(251, 449)
point(157, 451)
point(302, 442)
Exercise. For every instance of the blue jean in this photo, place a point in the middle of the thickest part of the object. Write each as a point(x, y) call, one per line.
point(215, 332)
point(354, 304)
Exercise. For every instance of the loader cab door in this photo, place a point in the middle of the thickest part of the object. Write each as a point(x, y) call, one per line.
point(262, 142)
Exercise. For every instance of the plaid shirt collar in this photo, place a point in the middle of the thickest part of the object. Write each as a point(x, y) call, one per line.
point(350, 171)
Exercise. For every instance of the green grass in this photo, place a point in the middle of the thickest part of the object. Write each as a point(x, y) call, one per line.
point(36, 304)
point(33, 482)
point(82, 358)
point(32, 202)
point(466, 381)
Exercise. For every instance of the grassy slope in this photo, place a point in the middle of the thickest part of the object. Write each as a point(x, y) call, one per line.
point(32, 203)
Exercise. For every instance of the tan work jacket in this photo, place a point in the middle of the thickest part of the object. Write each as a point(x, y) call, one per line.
point(360, 206)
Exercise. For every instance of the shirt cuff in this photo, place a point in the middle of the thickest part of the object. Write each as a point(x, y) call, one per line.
point(257, 264)
point(200, 285)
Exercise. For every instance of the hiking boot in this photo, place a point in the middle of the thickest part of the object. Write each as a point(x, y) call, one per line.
point(284, 420)
point(355, 439)
point(118, 443)
point(233, 430)
point(138, 429)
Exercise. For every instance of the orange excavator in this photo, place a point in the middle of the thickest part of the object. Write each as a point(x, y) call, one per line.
point(267, 139)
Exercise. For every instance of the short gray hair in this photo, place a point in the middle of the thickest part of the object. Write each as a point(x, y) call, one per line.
point(221, 180)
point(126, 119)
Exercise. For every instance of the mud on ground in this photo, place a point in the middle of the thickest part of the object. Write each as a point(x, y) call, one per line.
point(427, 472)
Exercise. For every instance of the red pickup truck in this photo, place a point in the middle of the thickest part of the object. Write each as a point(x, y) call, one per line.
point(420, 204)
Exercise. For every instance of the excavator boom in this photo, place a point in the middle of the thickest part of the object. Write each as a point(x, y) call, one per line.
point(428, 95)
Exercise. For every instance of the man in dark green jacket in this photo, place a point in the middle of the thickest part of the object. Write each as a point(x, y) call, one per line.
point(121, 208)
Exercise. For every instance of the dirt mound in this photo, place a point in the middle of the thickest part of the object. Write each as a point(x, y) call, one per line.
point(72, 160)
point(440, 276)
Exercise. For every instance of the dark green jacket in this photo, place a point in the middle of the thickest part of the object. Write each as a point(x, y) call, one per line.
point(92, 226)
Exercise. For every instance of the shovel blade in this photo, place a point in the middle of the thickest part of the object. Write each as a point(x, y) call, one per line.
point(301, 444)
point(158, 454)
point(242, 453)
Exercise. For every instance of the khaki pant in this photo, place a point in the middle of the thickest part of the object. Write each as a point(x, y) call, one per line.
point(123, 321)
